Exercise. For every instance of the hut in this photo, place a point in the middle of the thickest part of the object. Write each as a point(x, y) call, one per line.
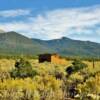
point(53, 58)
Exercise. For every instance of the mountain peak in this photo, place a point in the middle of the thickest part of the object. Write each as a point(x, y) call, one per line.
point(65, 38)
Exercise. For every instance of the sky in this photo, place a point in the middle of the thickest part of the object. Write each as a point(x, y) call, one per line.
point(52, 19)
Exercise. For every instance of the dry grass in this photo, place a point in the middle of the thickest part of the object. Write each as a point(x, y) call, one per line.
point(7, 65)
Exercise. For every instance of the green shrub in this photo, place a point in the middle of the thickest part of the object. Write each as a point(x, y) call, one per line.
point(77, 65)
point(23, 69)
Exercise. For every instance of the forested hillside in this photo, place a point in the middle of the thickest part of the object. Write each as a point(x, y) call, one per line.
point(14, 43)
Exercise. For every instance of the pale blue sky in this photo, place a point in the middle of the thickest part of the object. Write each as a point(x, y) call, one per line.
point(50, 19)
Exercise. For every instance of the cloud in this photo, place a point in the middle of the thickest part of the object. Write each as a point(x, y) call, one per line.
point(60, 22)
point(14, 13)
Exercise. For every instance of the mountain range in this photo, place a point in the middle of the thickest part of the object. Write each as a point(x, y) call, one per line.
point(16, 44)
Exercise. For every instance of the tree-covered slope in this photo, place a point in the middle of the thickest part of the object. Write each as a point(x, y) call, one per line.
point(14, 43)
point(66, 46)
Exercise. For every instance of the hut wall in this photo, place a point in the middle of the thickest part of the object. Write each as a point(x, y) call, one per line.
point(43, 58)
point(57, 60)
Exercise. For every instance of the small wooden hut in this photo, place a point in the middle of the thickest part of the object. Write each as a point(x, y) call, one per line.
point(53, 58)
